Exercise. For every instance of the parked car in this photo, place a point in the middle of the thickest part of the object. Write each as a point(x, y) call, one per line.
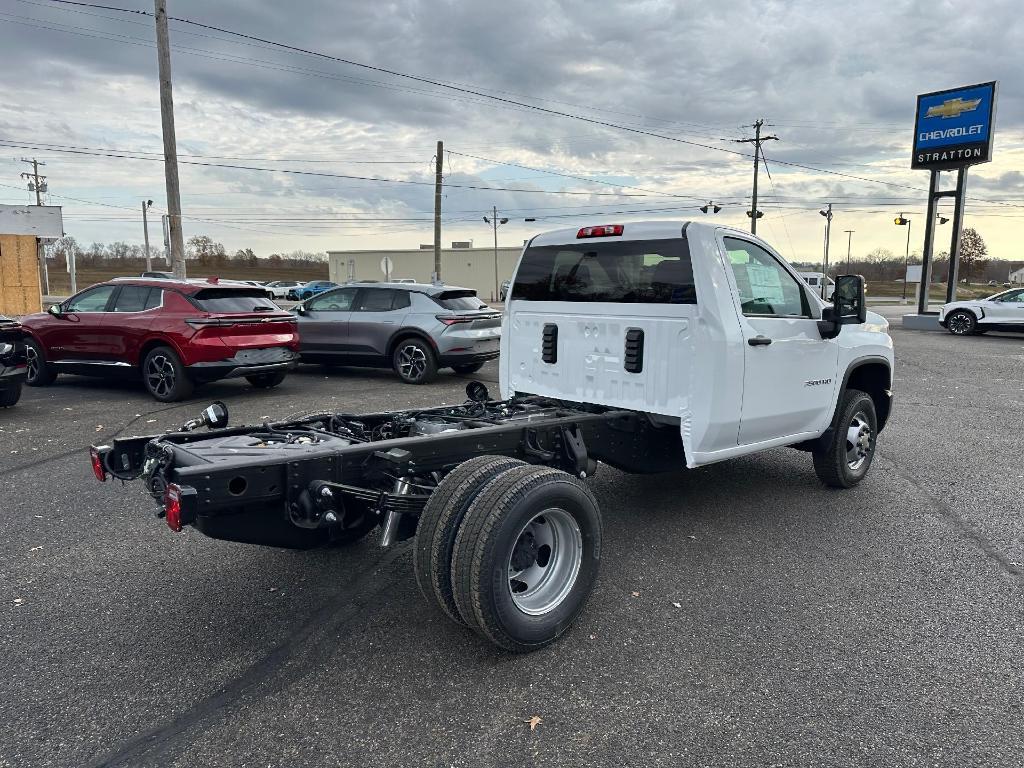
point(403, 280)
point(172, 334)
point(312, 288)
point(159, 275)
point(279, 288)
point(13, 366)
point(999, 312)
point(410, 327)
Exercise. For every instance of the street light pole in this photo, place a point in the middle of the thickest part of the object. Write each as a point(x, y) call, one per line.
point(827, 213)
point(849, 242)
point(494, 221)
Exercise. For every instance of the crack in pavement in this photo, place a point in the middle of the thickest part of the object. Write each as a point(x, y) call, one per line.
point(968, 529)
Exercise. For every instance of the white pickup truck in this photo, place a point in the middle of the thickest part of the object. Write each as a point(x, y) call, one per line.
point(646, 346)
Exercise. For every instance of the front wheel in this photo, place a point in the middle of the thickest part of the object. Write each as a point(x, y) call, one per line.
point(164, 375)
point(10, 396)
point(962, 323)
point(267, 380)
point(414, 361)
point(526, 557)
point(849, 455)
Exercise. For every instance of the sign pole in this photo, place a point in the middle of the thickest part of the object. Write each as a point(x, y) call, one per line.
point(929, 236)
point(954, 246)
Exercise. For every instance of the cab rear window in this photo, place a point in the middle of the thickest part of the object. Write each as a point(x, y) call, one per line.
point(625, 272)
point(233, 300)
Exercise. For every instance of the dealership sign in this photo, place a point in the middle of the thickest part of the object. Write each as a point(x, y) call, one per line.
point(954, 128)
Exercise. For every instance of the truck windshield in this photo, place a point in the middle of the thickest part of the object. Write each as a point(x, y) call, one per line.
point(233, 300)
point(627, 272)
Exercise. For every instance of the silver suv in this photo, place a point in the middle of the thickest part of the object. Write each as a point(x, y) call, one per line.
point(410, 327)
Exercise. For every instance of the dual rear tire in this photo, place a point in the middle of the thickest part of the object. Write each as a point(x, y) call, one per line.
point(509, 550)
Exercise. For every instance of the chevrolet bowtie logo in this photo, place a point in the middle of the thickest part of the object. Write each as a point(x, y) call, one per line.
point(953, 108)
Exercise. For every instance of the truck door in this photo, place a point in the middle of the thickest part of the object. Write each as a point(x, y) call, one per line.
point(789, 375)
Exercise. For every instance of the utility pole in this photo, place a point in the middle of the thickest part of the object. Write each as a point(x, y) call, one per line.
point(827, 213)
point(145, 231)
point(756, 141)
point(849, 242)
point(163, 47)
point(494, 221)
point(438, 168)
point(38, 185)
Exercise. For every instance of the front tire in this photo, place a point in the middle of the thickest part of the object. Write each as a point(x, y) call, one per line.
point(267, 380)
point(849, 455)
point(40, 372)
point(526, 557)
point(414, 361)
point(10, 396)
point(164, 375)
point(962, 323)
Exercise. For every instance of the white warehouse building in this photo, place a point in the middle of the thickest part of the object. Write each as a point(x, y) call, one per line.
point(461, 266)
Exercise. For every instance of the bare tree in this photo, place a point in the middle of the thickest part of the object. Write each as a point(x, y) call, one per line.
point(972, 251)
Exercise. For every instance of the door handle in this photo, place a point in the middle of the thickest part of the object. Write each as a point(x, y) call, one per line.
point(759, 341)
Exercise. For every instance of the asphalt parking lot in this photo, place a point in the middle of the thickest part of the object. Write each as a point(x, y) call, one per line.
point(745, 615)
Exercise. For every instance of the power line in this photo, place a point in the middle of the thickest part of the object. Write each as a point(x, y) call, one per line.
point(323, 174)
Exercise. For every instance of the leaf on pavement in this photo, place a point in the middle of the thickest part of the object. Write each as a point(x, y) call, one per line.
point(534, 722)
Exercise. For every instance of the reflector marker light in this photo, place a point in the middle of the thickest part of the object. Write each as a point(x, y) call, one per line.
point(172, 507)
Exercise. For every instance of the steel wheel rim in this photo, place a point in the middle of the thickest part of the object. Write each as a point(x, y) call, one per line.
point(859, 441)
point(412, 362)
point(160, 375)
point(32, 359)
point(545, 561)
point(959, 323)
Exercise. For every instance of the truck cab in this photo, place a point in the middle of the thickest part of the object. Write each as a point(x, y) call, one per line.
point(704, 328)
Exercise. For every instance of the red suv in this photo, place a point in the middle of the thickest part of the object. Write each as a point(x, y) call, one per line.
point(172, 333)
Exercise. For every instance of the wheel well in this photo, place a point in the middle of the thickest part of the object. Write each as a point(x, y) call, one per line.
point(403, 335)
point(146, 348)
point(875, 379)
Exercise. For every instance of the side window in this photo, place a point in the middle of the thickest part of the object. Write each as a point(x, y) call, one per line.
point(401, 300)
point(92, 300)
point(333, 301)
point(132, 298)
point(1013, 297)
point(155, 298)
point(765, 287)
point(375, 300)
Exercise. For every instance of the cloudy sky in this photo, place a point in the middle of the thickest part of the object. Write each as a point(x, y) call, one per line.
point(835, 82)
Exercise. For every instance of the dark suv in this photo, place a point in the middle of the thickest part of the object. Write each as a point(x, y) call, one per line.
point(171, 333)
point(13, 368)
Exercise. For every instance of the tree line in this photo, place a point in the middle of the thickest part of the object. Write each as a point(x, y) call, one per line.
point(201, 252)
point(883, 265)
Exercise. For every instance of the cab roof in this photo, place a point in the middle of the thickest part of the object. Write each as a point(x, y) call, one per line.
point(631, 230)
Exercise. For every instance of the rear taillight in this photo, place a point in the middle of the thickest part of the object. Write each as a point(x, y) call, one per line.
point(223, 322)
point(172, 507)
point(606, 230)
point(96, 456)
point(454, 319)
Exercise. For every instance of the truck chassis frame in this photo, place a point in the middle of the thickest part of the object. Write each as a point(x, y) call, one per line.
point(333, 477)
